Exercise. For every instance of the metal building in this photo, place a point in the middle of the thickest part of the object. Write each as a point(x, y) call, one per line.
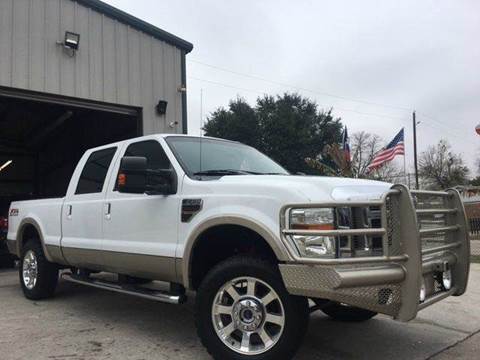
point(77, 74)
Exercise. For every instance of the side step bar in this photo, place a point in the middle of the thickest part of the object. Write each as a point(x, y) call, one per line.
point(146, 293)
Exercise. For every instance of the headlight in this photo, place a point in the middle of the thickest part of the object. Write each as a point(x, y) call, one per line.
point(313, 219)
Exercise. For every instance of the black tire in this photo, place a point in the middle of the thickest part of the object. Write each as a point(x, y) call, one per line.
point(347, 313)
point(47, 273)
point(296, 310)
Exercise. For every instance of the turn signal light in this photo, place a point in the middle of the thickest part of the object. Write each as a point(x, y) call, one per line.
point(312, 226)
point(122, 179)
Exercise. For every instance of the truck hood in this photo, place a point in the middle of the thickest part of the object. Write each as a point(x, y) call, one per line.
point(311, 188)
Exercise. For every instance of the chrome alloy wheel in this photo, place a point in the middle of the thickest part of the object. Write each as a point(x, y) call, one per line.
point(30, 270)
point(248, 315)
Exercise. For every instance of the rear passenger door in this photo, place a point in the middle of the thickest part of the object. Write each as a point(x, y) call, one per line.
point(83, 211)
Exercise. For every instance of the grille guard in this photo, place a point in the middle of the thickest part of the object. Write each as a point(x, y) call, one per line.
point(414, 251)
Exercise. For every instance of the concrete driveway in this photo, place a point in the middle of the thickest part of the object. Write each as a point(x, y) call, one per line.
point(87, 323)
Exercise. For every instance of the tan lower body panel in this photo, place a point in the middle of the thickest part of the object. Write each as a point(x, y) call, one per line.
point(55, 254)
point(140, 265)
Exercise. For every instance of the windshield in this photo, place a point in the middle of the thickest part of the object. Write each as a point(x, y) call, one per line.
point(203, 157)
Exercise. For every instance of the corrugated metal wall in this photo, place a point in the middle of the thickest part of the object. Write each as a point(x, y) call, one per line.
point(115, 63)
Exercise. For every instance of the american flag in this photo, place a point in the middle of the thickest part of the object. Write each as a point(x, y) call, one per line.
point(394, 148)
point(346, 145)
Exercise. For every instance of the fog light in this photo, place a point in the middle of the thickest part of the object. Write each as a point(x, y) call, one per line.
point(447, 279)
point(423, 291)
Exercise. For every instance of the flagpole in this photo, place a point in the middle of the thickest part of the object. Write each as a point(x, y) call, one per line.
point(405, 161)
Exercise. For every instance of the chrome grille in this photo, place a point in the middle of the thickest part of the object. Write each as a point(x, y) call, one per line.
point(365, 217)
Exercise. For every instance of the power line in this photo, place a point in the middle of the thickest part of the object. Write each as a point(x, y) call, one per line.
point(265, 93)
point(256, 77)
point(450, 130)
point(322, 93)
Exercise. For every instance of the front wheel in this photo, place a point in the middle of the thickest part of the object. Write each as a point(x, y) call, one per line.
point(38, 276)
point(243, 311)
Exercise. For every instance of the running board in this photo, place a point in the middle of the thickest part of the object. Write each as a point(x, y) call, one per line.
point(146, 293)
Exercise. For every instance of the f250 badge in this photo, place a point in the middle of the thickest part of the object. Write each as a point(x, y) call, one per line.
point(13, 212)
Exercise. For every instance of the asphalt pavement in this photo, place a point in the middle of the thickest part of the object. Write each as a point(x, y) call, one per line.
point(87, 323)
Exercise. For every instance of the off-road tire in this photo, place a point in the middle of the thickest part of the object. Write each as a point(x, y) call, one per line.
point(347, 313)
point(295, 309)
point(47, 274)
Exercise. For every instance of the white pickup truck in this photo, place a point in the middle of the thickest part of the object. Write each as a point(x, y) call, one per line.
point(260, 247)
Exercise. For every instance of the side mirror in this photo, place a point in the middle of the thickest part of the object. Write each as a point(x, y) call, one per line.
point(132, 175)
point(135, 178)
point(161, 182)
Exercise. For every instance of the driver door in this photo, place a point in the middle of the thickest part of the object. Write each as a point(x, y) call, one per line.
point(140, 231)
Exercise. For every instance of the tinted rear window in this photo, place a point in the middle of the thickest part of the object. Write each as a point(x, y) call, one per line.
point(95, 171)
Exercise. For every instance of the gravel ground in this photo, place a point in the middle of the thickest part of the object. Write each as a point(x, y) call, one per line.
point(86, 323)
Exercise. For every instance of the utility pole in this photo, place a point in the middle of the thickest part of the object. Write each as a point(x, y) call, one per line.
point(415, 149)
point(201, 111)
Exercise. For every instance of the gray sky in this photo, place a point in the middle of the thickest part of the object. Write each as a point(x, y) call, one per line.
point(390, 56)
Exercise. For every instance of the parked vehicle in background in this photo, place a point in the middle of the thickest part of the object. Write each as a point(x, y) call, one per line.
point(255, 243)
point(7, 260)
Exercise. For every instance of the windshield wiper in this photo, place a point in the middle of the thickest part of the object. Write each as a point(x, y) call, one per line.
point(221, 172)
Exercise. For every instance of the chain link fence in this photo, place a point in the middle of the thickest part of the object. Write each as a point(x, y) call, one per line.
point(473, 215)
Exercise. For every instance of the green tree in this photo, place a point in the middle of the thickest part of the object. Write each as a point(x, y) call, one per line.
point(238, 123)
point(288, 128)
point(475, 181)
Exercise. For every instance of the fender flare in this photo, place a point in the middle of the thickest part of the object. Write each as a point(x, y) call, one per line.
point(275, 244)
point(23, 224)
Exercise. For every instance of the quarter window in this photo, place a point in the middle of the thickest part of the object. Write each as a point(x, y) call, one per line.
point(95, 171)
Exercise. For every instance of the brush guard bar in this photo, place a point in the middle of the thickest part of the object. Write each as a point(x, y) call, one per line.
point(424, 236)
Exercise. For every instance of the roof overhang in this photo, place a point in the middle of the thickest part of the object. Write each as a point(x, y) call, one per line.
point(138, 24)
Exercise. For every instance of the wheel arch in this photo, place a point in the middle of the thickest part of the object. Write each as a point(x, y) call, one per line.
point(29, 226)
point(184, 267)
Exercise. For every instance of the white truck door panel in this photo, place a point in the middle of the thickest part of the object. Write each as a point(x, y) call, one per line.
point(140, 224)
point(83, 211)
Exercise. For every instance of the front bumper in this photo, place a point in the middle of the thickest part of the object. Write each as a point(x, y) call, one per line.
point(416, 252)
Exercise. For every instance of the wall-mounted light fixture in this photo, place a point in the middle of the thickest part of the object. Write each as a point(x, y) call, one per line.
point(162, 107)
point(71, 42)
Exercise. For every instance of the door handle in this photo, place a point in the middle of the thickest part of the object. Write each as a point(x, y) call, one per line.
point(108, 208)
point(69, 212)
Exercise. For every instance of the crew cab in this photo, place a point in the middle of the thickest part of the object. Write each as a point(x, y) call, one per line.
point(261, 248)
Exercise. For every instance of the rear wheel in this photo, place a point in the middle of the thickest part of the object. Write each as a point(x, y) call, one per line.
point(244, 312)
point(38, 276)
point(343, 312)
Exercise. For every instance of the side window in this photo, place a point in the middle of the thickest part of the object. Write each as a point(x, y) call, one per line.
point(95, 171)
point(153, 151)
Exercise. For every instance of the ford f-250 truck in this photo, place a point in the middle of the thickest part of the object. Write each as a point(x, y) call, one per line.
point(260, 247)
